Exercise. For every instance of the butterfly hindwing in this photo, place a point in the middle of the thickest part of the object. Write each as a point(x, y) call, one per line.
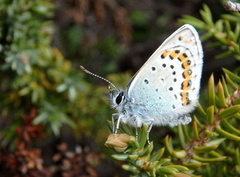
point(169, 82)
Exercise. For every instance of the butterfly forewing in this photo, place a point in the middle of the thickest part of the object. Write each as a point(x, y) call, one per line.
point(169, 82)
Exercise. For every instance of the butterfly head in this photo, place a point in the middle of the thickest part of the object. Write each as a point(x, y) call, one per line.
point(117, 97)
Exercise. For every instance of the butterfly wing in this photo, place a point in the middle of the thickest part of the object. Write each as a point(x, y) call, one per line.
point(167, 85)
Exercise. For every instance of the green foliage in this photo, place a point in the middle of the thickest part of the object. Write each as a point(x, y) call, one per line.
point(35, 75)
point(140, 22)
point(142, 161)
point(225, 31)
point(209, 146)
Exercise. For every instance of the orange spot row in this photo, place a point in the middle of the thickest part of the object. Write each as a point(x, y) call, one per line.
point(182, 57)
point(174, 54)
point(185, 98)
point(186, 85)
point(186, 63)
point(180, 38)
point(165, 54)
point(187, 74)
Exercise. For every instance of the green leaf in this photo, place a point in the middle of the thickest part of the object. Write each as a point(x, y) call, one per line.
point(227, 134)
point(186, 132)
point(147, 150)
point(215, 142)
point(237, 30)
point(142, 139)
point(130, 168)
point(231, 18)
point(133, 157)
point(168, 144)
point(208, 160)
point(229, 112)
point(211, 91)
point(232, 76)
point(127, 129)
point(225, 87)
point(221, 96)
point(157, 155)
point(237, 156)
point(178, 167)
point(201, 111)
point(181, 136)
point(195, 130)
point(41, 118)
point(62, 87)
point(207, 15)
point(193, 164)
point(162, 162)
point(72, 93)
point(167, 170)
point(187, 19)
point(179, 154)
point(120, 157)
point(230, 82)
point(210, 114)
point(205, 149)
point(230, 127)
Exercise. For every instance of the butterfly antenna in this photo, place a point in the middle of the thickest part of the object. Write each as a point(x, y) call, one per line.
point(88, 72)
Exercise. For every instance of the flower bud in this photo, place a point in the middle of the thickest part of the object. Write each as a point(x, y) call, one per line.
point(119, 142)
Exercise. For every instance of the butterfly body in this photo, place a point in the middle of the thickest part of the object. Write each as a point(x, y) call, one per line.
point(166, 88)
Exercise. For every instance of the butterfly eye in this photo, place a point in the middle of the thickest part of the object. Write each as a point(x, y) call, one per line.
point(119, 98)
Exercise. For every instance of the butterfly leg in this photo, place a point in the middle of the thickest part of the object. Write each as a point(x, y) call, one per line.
point(118, 123)
point(114, 118)
point(116, 127)
point(148, 131)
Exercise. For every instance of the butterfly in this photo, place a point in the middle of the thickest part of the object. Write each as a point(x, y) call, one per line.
point(166, 88)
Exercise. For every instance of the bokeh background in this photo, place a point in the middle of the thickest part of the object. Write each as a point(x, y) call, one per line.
point(53, 117)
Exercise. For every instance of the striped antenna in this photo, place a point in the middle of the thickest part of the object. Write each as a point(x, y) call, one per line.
point(88, 72)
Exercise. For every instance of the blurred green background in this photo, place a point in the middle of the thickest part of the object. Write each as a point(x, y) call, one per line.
point(53, 112)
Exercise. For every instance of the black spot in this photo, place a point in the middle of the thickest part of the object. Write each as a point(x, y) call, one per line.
point(171, 66)
point(164, 65)
point(162, 56)
point(153, 68)
point(173, 106)
point(160, 98)
point(156, 90)
point(174, 73)
point(183, 75)
point(162, 79)
point(174, 80)
point(146, 81)
point(175, 96)
point(171, 57)
point(183, 66)
point(177, 51)
point(189, 62)
point(170, 88)
point(185, 55)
